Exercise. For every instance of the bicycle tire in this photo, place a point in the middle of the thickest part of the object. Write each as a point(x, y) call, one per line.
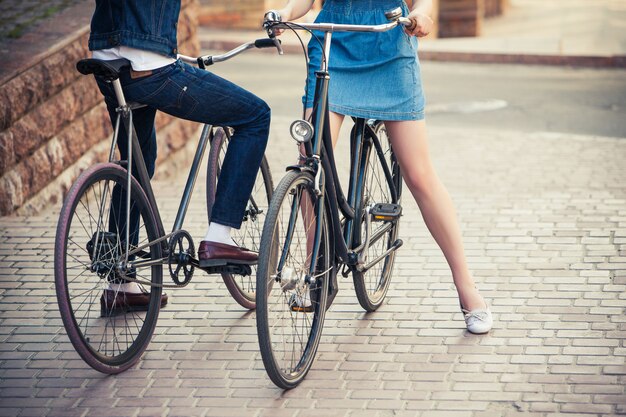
point(110, 337)
point(241, 288)
point(371, 286)
point(289, 335)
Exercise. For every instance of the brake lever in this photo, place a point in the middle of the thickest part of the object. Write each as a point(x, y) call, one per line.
point(277, 44)
point(272, 17)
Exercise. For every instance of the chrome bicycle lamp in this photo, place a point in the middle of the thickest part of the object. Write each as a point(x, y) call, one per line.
point(301, 131)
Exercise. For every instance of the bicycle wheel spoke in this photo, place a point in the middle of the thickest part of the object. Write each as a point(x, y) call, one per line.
point(289, 312)
point(371, 286)
point(108, 327)
point(86, 315)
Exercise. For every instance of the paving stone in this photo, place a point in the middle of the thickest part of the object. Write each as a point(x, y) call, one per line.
point(554, 277)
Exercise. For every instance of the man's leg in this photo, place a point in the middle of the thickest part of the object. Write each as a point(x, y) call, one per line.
point(190, 93)
point(143, 121)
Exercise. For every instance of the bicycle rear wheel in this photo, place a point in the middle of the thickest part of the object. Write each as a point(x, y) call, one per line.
point(107, 330)
point(240, 287)
point(291, 301)
point(372, 285)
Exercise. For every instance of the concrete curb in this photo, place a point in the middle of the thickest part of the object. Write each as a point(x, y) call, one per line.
point(618, 61)
point(526, 59)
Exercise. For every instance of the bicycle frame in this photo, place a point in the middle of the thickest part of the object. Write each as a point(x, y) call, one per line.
point(135, 159)
point(299, 260)
point(320, 156)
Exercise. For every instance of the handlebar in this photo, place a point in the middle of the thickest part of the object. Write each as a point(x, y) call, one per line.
point(333, 27)
point(273, 21)
point(207, 60)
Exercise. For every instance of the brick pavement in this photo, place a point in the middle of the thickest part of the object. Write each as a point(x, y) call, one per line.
point(544, 221)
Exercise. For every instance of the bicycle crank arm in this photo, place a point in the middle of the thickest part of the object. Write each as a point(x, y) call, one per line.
point(380, 212)
point(364, 268)
point(379, 233)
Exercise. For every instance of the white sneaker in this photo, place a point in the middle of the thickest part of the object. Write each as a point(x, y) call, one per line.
point(478, 321)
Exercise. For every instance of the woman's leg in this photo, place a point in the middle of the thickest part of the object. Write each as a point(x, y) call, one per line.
point(307, 207)
point(409, 141)
point(335, 121)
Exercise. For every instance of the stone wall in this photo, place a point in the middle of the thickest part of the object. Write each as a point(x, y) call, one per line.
point(53, 122)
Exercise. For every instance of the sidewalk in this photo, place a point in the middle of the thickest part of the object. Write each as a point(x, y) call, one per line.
point(548, 32)
point(545, 231)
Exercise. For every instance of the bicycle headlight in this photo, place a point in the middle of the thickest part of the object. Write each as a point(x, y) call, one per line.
point(301, 131)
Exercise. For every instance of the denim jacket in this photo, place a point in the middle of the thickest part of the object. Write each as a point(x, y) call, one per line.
point(141, 24)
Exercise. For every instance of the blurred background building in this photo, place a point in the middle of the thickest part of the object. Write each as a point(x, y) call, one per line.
point(456, 17)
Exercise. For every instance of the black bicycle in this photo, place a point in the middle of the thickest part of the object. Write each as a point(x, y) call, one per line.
point(312, 230)
point(94, 248)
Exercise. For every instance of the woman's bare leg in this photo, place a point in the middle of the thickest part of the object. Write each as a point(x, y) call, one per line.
point(336, 120)
point(335, 126)
point(306, 209)
point(409, 141)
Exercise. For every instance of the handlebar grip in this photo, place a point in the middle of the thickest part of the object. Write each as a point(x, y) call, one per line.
point(265, 43)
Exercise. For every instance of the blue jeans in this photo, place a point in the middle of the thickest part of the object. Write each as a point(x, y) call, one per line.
point(186, 92)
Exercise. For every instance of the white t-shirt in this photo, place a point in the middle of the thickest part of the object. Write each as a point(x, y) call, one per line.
point(139, 59)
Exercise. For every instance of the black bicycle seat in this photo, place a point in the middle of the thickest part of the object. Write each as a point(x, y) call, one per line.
point(109, 70)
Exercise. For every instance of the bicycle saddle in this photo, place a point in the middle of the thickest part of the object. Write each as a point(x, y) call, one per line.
point(109, 70)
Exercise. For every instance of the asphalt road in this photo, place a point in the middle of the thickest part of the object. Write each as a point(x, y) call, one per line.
point(510, 97)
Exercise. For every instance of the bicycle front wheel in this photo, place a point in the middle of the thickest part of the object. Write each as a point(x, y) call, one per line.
point(372, 285)
point(241, 287)
point(291, 300)
point(107, 329)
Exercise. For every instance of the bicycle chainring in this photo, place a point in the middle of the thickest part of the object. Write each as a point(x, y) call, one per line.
point(179, 260)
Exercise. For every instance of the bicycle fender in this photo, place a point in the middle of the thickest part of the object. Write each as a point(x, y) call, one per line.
point(300, 168)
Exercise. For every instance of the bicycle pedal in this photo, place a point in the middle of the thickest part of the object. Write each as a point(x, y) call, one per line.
point(236, 269)
point(297, 309)
point(299, 304)
point(386, 212)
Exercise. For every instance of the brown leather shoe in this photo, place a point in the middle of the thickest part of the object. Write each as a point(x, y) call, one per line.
point(118, 302)
point(214, 254)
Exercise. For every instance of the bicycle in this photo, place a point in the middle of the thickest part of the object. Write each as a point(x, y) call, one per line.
point(312, 229)
point(94, 248)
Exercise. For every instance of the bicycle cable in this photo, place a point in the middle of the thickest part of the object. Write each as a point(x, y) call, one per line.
point(292, 26)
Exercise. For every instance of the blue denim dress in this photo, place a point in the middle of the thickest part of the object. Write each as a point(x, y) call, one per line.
point(372, 75)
